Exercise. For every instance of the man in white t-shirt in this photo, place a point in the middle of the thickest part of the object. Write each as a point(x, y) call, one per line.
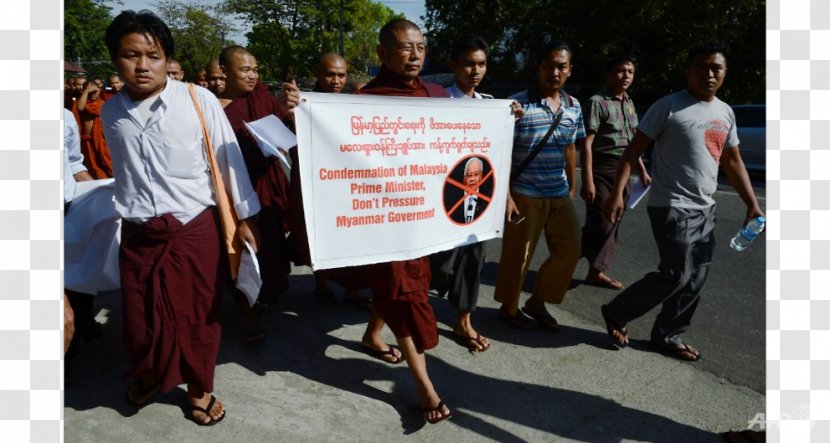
point(693, 133)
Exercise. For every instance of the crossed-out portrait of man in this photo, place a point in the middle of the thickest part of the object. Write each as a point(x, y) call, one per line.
point(468, 191)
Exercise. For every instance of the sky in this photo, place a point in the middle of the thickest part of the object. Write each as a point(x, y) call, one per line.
point(412, 9)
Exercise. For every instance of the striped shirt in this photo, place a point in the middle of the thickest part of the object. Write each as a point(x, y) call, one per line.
point(545, 175)
point(612, 120)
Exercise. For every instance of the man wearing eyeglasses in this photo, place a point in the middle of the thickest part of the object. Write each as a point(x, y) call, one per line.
point(399, 289)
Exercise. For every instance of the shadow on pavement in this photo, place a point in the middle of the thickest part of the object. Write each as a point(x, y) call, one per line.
point(302, 339)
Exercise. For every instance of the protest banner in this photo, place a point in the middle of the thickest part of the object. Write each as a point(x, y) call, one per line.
point(396, 178)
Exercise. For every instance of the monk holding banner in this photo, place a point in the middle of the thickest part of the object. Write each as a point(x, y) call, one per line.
point(247, 99)
point(171, 259)
point(399, 288)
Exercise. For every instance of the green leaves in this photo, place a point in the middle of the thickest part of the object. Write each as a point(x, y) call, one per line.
point(287, 37)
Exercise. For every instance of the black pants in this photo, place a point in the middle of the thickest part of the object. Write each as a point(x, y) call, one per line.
point(685, 239)
point(458, 272)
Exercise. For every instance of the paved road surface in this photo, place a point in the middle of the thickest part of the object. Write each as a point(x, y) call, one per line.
point(309, 380)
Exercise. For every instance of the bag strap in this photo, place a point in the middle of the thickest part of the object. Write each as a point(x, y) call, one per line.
point(218, 184)
point(207, 142)
point(537, 148)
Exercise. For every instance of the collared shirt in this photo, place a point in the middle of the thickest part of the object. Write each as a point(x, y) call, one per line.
point(73, 160)
point(545, 175)
point(160, 165)
point(612, 119)
point(457, 93)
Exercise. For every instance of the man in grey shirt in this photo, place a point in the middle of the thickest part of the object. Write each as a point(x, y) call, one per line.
point(693, 133)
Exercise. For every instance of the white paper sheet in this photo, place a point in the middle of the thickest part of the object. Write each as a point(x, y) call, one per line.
point(638, 191)
point(274, 139)
point(248, 279)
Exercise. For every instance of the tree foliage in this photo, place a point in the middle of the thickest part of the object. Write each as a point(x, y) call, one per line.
point(85, 22)
point(657, 32)
point(288, 36)
point(199, 31)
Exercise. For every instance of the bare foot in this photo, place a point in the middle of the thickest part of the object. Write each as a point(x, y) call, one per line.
point(598, 278)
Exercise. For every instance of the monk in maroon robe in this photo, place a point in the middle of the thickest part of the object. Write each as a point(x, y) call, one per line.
point(400, 288)
point(246, 99)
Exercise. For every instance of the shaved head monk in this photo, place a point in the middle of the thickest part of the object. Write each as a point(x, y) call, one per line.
point(399, 289)
point(87, 111)
point(215, 77)
point(201, 78)
point(171, 250)
point(174, 70)
point(332, 73)
point(246, 99)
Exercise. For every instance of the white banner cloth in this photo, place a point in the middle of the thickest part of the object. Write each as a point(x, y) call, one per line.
point(397, 178)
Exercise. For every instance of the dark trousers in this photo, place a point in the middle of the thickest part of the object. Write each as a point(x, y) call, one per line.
point(458, 272)
point(599, 236)
point(685, 239)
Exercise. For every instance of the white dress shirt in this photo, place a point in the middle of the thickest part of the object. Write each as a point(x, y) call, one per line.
point(457, 93)
point(159, 164)
point(73, 160)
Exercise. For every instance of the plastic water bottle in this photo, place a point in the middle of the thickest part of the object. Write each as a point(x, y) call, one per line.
point(746, 235)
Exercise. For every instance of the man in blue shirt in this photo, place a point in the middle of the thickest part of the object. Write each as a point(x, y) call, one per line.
point(541, 193)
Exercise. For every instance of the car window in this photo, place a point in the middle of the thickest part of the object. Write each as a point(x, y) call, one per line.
point(750, 117)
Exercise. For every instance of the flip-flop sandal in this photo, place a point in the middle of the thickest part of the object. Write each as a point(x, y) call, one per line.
point(545, 321)
point(683, 352)
point(610, 327)
point(206, 411)
point(440, 409)
point(380, 354)
point(611, 283)
point(473, 344)
point(143, 391)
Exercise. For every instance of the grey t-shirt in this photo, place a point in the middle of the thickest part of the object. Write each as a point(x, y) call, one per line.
point(689, 136)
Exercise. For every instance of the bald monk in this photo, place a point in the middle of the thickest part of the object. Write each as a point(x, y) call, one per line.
point(174, 70)
point(214, 76)
point(399, 289)
point(332, 73)
point(246, 99)
point(331, 76)
point(201, 78)
point(87, 111)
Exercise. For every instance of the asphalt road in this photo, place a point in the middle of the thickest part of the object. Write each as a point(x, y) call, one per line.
point(310, 380)
point(729, 325)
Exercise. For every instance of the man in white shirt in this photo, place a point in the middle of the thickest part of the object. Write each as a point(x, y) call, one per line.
point(458, 271)
point(171, 256)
